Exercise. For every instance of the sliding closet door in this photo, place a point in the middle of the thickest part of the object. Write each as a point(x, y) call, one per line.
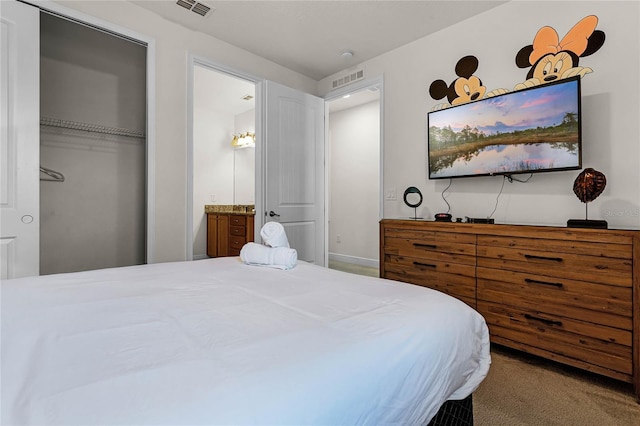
point(19, 139)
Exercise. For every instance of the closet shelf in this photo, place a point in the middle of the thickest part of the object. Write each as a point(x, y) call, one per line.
point(87, 127)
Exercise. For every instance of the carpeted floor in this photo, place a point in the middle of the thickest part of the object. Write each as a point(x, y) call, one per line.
point(354, 269)
point(525, 390)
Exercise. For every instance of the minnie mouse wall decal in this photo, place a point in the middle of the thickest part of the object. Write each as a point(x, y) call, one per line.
point(550, 58)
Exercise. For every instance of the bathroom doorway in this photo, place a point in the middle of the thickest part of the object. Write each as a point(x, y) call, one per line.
point(223, 107)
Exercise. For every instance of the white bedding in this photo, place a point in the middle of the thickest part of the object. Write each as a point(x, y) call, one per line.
point(219, 342)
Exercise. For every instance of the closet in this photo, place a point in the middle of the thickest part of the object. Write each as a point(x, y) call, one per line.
point(92, 148)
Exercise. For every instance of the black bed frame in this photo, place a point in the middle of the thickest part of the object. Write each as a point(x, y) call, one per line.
point(454, 413)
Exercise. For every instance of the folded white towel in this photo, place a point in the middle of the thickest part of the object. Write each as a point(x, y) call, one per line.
point(273, 257)
point(273, 235)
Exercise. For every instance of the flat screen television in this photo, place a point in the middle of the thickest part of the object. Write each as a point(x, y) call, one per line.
point(537, 129)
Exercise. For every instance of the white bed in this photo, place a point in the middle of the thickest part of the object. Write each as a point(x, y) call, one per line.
point(219, 342)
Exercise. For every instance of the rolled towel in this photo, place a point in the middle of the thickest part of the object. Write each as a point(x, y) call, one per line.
point(273, 257)
point(273, 235)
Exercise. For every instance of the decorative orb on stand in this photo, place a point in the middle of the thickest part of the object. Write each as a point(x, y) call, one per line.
point(588, 186)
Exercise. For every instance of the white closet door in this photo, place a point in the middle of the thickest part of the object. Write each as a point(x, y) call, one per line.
point(19, 139)
point(295, 169)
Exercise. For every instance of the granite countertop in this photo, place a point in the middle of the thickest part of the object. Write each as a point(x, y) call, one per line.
point(246, 209)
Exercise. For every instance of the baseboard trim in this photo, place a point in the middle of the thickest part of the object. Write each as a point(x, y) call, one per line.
point(200, 256)
point(362, 261)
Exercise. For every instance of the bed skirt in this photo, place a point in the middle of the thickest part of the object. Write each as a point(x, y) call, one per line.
point(454, 413)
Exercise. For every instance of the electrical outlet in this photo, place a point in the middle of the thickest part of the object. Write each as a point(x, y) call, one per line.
point(213, 198)
point(338, 239)
point(391, 194)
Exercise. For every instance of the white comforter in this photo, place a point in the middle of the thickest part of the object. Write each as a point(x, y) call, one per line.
point(219, 342)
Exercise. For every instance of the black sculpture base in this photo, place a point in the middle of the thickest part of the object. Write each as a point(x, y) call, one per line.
point(587, 223)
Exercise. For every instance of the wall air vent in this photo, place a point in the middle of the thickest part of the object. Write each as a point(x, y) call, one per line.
point(194, 6)
point(348, 78)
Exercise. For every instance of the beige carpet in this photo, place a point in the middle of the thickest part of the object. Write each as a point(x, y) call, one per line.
point(526, 390)
point(354, 269)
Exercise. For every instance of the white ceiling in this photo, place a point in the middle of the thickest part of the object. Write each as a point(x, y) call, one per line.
point(221, 92)
point(309, 36)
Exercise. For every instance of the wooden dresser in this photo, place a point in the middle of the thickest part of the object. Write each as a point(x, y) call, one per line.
point(228, 232)
point(567, 294)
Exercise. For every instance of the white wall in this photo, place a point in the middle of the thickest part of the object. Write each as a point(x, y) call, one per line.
point(611, 108)
point(96, 217)
point(173, 43)
point(354, 151)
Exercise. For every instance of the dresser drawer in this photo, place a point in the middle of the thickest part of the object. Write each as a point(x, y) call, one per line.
point(237, 230)
point(437, 250)
point(599, 303)
point(237, 220)
point(516, 255)
point(457, 280)
point(236, 243)
point(619, 250)
point(603, 346)
point(430, 236)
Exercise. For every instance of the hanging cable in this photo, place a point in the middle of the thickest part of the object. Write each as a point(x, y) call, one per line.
point(511, 179)
point(445, 200)
point(504, 178)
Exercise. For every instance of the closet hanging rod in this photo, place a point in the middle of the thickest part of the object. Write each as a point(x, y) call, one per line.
point(87, 127)
point(53, 175)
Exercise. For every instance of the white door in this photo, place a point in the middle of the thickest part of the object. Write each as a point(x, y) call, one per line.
point(295, 169)
point(19, 140)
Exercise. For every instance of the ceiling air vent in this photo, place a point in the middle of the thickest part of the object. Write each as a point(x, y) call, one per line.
point(348, 78)
point(194, 6)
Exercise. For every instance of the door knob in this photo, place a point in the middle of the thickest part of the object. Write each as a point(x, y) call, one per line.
point(272, 214)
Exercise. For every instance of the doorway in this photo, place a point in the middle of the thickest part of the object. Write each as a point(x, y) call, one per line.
point(224, 106)
point(354, 169)
point(289, 124)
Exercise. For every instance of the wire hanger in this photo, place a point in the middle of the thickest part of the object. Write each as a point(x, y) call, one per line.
point(53, 175)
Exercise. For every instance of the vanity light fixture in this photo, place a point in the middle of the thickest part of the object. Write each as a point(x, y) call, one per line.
point(244, 140)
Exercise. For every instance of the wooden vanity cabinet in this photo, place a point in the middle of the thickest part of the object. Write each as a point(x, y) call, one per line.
point(227, 233)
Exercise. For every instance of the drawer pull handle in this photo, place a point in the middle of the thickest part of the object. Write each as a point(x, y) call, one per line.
point(543, 320)
point(429, 246)
point(531, 281)
point(554, 259)
point(426, 265)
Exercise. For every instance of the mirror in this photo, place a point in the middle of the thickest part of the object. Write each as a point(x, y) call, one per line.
point(244, 176)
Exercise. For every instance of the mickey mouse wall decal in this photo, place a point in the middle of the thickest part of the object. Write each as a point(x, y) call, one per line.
point(550, 58)
point(466, 88)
